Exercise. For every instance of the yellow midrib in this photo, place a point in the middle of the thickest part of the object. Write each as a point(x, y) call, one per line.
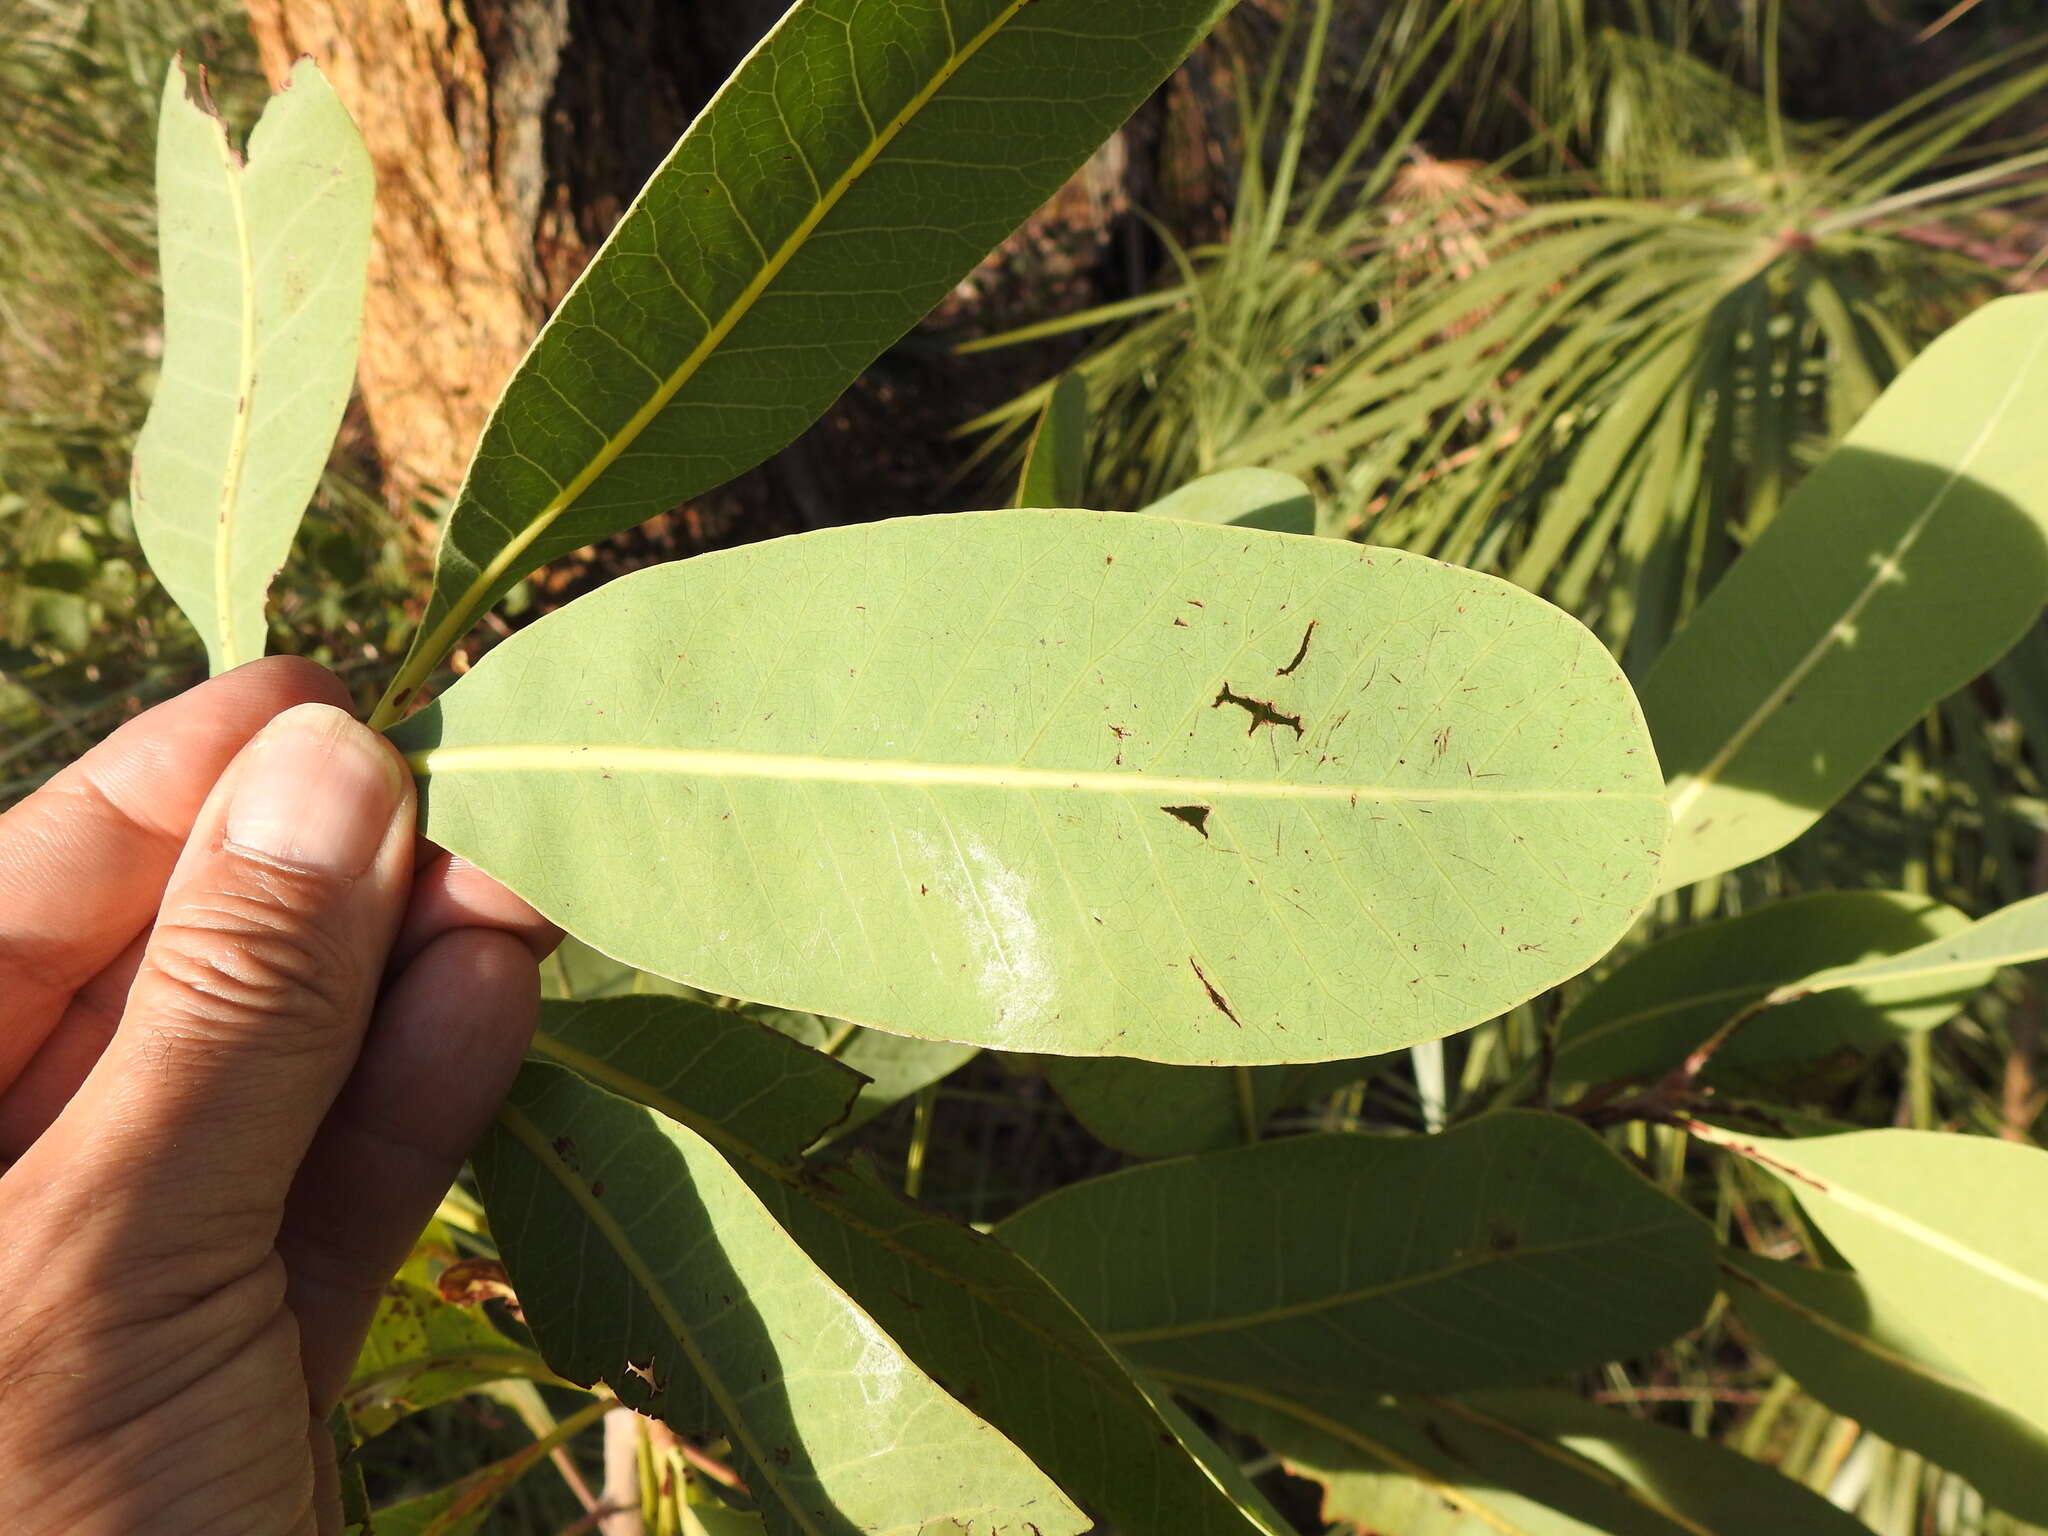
point(1870, 1210)
point(463, 612)
point(703, 762)
point(245, 408)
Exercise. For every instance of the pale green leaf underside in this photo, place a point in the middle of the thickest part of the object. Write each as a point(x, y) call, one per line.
point(859, 162)
point(1247, 498)
point(642, 1259)
point(1524, 1463)
point(967, 1310)
point(1900, 569)
point(1506, 1249)
point(263, 266)
point(1065, 782)
point(1944, 1229)
point(1965, 960)
point(1643, 1018)
point(1872, 1363)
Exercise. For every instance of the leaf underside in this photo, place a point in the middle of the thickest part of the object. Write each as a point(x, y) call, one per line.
point(1905, 565)
point(1065, 782)
point(263, 266)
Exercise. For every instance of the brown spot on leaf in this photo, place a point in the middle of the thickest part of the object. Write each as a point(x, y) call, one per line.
point(1300, 652)
point(1216, 997)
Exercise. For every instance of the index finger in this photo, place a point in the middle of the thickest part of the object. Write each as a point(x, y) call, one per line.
point(84, 859)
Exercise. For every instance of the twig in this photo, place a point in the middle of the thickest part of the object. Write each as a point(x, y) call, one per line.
point(1679, 1090)
point(1955, 12)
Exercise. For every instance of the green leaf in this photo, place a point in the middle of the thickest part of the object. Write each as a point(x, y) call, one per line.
point(263, 266)
point(895, 1066)
point(1872, 1363)
point(1065, 782)
point(1957, 961)
point(860, 161)
point(1056, 459)
point(1944, 1229)
point(1899, 570)
point(1243, 498)
point(355, 1497)
point(643, 1260)
point(967, 1310)
point(1524, 1463)
point(753, 1082)
point(421, 1351)
point(1525, 1247)
point(1149, 1110)
point(1643, 1018)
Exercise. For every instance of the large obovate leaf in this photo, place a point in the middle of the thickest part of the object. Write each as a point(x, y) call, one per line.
point(1943, 1229)
point(970, 1314)
point(263, 265)
point(1504, 1250)
point(1065, 782)
point(1899, 570)
point(1873, 1363)
point(1524, 1463)
point(1650, 1012)
point(865, 156)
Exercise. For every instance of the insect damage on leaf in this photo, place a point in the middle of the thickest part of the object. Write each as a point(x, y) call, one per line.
point(1300, 652)
point(1222, 1004)
point(1262, 711)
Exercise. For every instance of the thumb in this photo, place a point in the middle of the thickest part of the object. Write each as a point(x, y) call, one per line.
point(254, 991)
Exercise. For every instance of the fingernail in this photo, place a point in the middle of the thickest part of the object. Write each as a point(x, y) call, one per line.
point(315, 789)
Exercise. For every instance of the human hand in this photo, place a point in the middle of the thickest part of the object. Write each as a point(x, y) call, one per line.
point(244, 1047)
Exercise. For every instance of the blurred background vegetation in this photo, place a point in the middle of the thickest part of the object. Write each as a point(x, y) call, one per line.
point(1570, 290)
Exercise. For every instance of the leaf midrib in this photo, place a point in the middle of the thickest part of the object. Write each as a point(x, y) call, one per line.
point(1233, 1321)
point(245, 410)
point(705, 762)
point(1861, 1343)
point(1834, 979)
point(463, 612)
point(1898, 1222)
point(1698, 783)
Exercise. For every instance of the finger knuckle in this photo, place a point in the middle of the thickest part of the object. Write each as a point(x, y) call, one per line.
point(236, 959)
